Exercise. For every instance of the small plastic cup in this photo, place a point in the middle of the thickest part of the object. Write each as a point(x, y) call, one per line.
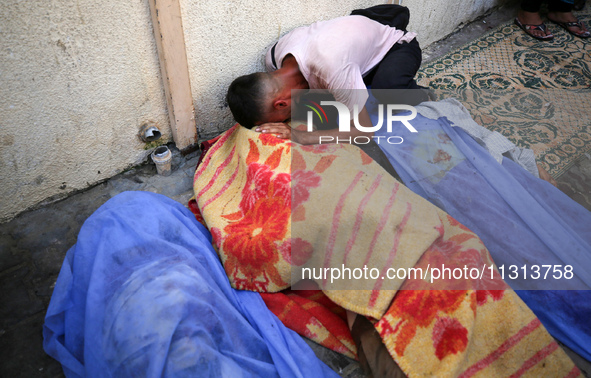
point(162, 157)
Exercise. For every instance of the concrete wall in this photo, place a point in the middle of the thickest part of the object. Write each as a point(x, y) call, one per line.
point(78, 78)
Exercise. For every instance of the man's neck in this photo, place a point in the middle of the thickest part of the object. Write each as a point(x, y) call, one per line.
point(290, 74)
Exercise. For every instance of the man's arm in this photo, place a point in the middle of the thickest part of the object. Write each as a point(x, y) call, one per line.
point(284, 131)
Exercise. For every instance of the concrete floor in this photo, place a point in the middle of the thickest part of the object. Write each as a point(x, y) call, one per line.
point(33, 245)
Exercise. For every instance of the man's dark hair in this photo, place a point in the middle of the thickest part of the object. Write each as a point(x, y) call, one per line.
point(246, 98)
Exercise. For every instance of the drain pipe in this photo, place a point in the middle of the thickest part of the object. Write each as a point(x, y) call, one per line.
point(149, 133)
point(162, 157)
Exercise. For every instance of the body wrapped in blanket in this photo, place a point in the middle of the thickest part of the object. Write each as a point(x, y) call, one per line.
point(480, 178)
point(143, 294)
point(271, 205)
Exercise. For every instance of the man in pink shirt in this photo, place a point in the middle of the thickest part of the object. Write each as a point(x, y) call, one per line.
point(343, 56)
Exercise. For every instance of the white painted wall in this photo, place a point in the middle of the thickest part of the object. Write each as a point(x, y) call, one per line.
point(78, 78)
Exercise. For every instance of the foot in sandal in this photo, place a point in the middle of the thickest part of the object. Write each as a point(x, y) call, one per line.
point(532, 24)
point(569, 22)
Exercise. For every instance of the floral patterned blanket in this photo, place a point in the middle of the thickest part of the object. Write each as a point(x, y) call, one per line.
point(274, 207)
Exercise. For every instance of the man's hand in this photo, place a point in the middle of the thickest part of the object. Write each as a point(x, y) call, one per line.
point(280, 129)
point(284, 131)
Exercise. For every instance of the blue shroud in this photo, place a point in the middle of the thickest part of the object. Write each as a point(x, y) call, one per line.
point(143, 293)
point(522, 220)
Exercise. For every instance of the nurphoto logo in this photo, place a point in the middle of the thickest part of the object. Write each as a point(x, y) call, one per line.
point(345, 117)
point(320, 113)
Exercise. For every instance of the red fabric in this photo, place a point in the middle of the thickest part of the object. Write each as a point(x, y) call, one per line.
point(312, 314)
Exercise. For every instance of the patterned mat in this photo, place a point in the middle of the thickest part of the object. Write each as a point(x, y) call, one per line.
point(537, 93)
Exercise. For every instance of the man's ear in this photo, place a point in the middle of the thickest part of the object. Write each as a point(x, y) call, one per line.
point(280, 104)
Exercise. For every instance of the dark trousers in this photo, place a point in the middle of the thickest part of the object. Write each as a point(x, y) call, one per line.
point(397, 72)
point(553, 5)
point(398, 68)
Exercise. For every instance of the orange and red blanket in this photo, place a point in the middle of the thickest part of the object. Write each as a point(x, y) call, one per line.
point(272, 205)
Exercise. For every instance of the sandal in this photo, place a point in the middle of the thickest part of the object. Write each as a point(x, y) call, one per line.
point(578, 24)
point(527, 28)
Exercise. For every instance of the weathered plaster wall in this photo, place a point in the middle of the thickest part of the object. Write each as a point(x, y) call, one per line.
point(228, 39)
point(78, 78)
